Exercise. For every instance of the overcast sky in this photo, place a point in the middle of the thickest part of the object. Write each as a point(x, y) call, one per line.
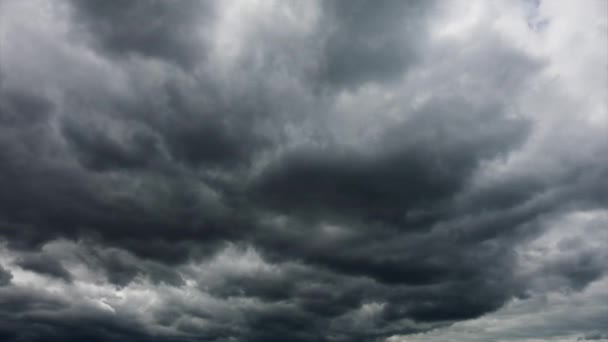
point(259, 171)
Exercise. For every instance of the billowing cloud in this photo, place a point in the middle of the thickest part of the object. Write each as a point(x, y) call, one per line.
point(303, 171)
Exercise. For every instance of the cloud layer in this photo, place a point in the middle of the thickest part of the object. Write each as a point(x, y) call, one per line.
point(303, 171)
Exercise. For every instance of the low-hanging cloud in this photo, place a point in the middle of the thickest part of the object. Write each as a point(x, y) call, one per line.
point(302, 171)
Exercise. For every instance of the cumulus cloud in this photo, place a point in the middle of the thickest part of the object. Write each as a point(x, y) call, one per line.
point(303, 171)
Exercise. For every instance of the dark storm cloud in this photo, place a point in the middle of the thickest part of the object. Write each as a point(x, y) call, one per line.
point(420, 162)
point(43, 265)
point(46, 196)
point(218, 134)
point(29, 208)
point(121, 268)
point(155, 29)
point(158, 138)
point(5, 276)
point(20, 108)
point(40, 317)
point(98, 151)
point(593, 336)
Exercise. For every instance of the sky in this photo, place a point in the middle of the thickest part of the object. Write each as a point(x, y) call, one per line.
point(261, 170)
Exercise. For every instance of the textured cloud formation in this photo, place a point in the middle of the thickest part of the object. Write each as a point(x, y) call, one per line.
point(303, 170)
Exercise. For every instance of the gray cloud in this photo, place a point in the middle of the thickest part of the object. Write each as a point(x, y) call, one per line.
point(44, 265)
point(372, 42)
point(340, 171)
point(5, 277)
point(128, 30)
